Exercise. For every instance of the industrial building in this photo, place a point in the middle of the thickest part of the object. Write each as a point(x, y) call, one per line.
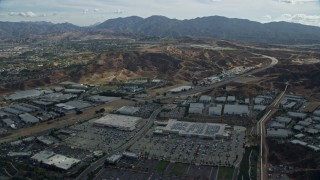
point(180, 89)
point(278, 133)
point(205, 99)
point(28, 118)
point(196, 108)
point(297, 115)
point(236, 109)
point(284, 120)
point(121, 122)
point(128, 110)
point(221, 99)
point(101, 99)
point(80, 105)
point(316, 113)
point(24, 95)
point(259, 107)
point(64, 108)
point(203, 130)
point(231, 99)
point(55, 160)
point(215, 111)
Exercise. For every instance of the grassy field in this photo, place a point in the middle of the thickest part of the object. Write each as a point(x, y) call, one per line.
point(162, 165)
point(244, 166)
point(178, 169)
point(225, 173)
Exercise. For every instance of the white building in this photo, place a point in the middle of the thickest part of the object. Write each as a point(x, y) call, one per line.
point(196, 108)
point(236, 109)
point(205, 99)
point(215, 111)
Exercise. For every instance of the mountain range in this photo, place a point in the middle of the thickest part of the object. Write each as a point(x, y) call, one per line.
point(213, 27)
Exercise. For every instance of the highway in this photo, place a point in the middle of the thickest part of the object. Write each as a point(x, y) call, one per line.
point(274, 61)
point(152, 118)
point(123, 147)
point(261, 126)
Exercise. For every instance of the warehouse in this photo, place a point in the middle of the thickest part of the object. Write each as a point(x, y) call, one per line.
point(180, 89)
point(196, 108)
point(277, 125)
point(128, 110)
point(284, 120)
point(221, 99)
point(80, 105)
point(278, 133)
point(64, 108)
point(23, 95)
point(297, 115)
point(56, 160)
point(289, 105)
point(304, 123)
point(28, 118)
point(215, 111)
point(316, 113)
point(236, 109)
point(203, 130)
point(101, 99)
point(205, 99)
point(259, 107)
point(121, 122)
point(231, 99)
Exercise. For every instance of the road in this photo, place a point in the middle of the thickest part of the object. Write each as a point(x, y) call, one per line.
point(264, 151)
point(123, 147)
point(274, 61)
point(101, 161)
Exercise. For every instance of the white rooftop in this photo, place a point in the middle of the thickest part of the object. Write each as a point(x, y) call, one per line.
point(118, 121)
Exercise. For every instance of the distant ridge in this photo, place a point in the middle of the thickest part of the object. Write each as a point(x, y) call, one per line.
point(213, 27)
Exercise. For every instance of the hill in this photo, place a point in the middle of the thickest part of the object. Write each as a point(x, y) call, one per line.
point(215, 27)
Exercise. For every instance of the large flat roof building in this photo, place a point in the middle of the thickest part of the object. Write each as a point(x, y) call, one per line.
point(122, 122)
point(203, 130)
point(235, 109)
point(205, 99)
point(56, 160)
point(28, 118)
point(196, 108)
point(215, 111)
point(24, 95)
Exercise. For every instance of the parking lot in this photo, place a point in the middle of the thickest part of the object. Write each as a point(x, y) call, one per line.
point(193, 150)
point(93, 138)
point(127, 169)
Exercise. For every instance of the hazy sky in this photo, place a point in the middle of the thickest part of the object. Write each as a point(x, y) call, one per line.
point(88, 12)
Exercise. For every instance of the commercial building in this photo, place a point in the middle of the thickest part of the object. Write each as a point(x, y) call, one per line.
point(259, 107)
point(121, 122)
point(231, 99)
point(284, 120)
point(55, 160)
point(202, 130)
point(316, 113)
point(101, 99)
point(278, 133)
point(221, 99)
point(205, 99)
point(80, 105)
point(297, 115)
point(196, 108)
point(24, 95)
point(277, 125)
point(236, 109)
point(215, 111)
point(28, 118)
